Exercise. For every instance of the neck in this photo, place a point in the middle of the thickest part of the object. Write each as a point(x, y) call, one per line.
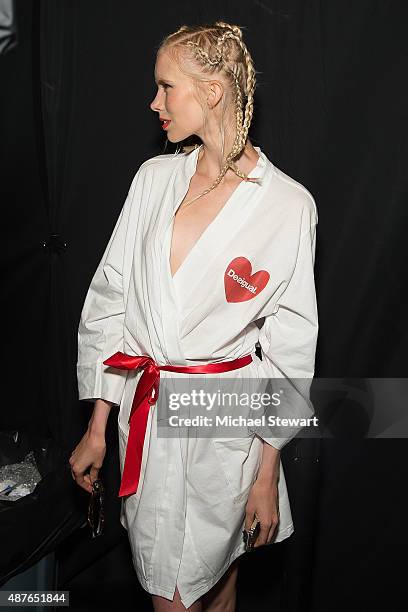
point(210, 162)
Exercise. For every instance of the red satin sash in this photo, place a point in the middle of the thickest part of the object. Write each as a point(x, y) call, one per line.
point(146, 394)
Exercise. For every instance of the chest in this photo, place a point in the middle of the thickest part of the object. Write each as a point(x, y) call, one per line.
point(191, 221)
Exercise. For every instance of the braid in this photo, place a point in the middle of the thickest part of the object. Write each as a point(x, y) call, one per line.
point(216, 59)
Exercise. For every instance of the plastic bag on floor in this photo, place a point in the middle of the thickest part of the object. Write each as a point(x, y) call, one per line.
point(19, 479)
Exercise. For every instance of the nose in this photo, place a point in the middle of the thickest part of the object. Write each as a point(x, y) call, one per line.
point(156, 105)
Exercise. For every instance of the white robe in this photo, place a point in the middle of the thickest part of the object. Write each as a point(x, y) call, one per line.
point(186, 518)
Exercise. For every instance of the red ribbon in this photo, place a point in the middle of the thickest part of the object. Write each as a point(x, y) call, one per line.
point(146, 394)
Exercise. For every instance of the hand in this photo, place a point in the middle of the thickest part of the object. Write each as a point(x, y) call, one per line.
point(89, 452)
point(263, 501)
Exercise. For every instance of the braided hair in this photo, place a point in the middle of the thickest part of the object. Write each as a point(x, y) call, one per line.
point(220, 48)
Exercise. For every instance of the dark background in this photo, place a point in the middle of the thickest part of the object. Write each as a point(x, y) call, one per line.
point(330, 111)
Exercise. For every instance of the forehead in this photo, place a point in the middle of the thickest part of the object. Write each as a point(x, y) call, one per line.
point(166, 67)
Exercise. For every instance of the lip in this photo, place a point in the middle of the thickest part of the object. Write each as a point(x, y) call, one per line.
point(165, 127)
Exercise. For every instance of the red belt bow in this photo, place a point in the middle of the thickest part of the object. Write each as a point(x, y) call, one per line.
point(144, 398)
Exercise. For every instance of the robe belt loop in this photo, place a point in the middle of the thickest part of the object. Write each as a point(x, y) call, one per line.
point(146, 394)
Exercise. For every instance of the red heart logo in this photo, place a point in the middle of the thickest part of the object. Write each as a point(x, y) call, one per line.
point(240, 285)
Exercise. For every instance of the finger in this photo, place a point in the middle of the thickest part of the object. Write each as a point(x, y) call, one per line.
point(275, 523)
point(84, 482)
point(249, 519)
point(271, 533)
point(263, 534)
point(94, 474)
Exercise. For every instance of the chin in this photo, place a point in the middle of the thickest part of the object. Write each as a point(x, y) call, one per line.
point(176, 139)
point(181, 133)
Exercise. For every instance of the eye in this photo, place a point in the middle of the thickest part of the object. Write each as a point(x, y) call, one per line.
point(165, 86)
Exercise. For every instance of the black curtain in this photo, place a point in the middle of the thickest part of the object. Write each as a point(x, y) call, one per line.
point(330, 111)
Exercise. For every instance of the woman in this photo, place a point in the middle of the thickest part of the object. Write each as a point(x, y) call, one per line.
point(212, 254)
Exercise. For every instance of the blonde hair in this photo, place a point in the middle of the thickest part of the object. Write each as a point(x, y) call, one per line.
point(218, 49)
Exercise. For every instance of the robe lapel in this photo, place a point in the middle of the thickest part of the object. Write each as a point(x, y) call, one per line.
point(175, 193)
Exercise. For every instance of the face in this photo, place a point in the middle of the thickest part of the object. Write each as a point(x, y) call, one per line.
point(175, 101)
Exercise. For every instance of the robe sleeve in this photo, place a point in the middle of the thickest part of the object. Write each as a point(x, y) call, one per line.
point(100, 331)
point(288, 337)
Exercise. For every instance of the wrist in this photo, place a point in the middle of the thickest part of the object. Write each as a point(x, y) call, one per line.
point(268, 476)
point(270, 464)
point(99, 418)
point(97, 428)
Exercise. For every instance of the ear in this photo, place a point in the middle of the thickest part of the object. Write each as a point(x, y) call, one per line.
point(215, 93)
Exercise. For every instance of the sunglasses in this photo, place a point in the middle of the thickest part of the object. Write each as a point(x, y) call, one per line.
point(96, 516)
